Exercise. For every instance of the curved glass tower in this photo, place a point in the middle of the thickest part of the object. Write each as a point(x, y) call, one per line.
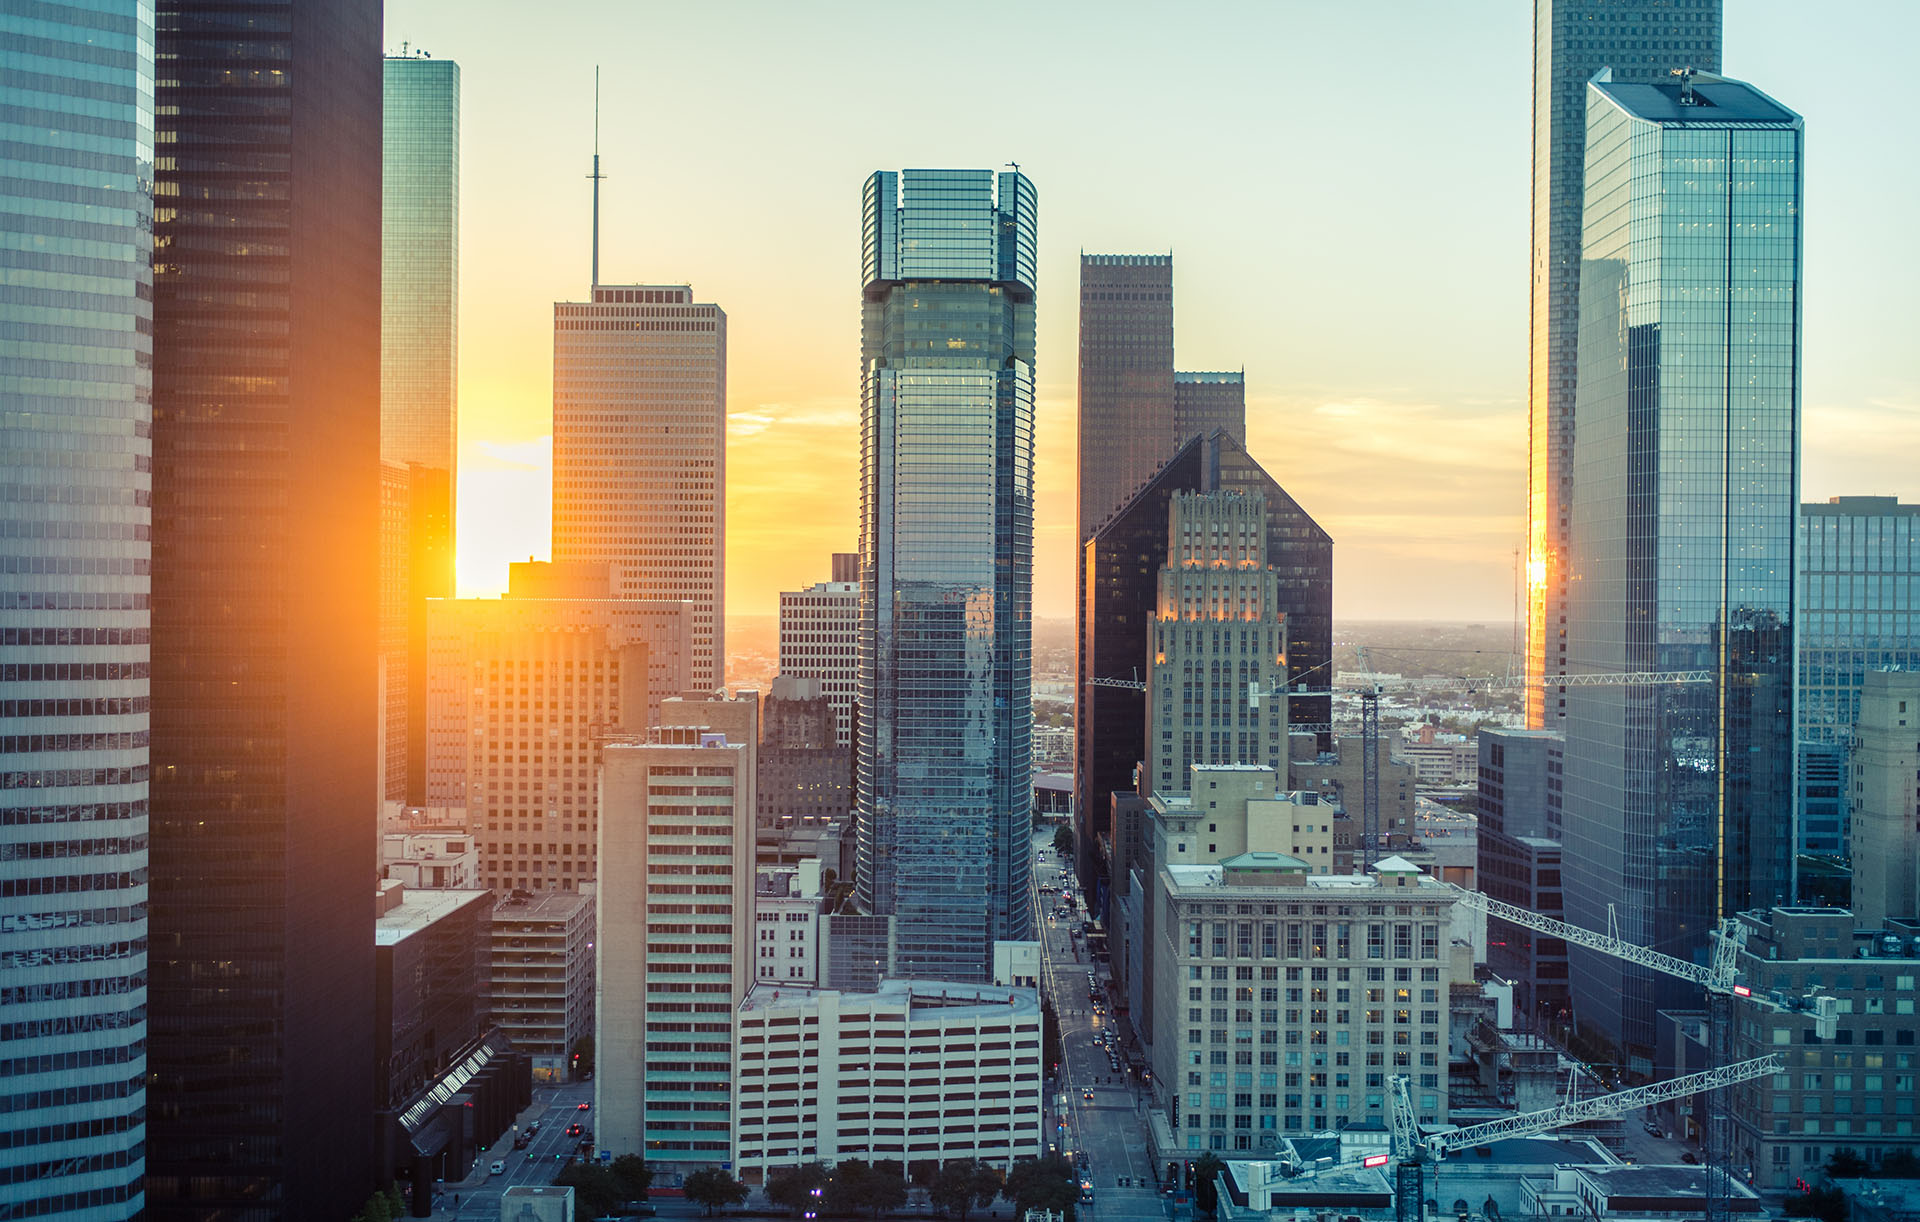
point(946, 564)
point(76, 429)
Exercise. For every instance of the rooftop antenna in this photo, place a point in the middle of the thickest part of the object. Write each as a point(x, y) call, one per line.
point(596, 176)
point(1686, 84)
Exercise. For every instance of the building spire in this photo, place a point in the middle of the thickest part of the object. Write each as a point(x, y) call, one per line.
point(596, 176)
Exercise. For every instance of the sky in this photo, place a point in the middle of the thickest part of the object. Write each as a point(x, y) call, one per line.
point(1344, 189)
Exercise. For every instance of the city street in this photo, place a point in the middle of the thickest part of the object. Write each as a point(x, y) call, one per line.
point(553, 1108)
point(1106, 1133)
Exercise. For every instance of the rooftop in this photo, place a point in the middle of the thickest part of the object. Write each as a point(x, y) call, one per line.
point(1637, 1187)
point(1863, 506)
point(421, 908)
point(920, 997)
point(1263, 860)
point(1195, 877)
point(547, 906)
point(1709, 100)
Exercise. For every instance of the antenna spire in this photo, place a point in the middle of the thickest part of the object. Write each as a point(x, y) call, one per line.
point(596, 176)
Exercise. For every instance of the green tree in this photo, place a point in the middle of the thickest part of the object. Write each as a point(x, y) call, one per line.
point(377, 1209)
point(1206, 1175)
point(791, 1188)
point(858, 1185)
point(396, 1201)
point(1900, 1165)
point(714, 1189)
point(1051, 1051)
point(1846, 1164)
point(596, 1190)
point(962, 1186)
point(1043, 1183)
point(1063, 841)
point(633, 1173)
point(583, 1055)
point(1826, 1204)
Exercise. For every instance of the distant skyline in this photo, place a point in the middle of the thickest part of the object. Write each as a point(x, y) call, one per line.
point(1346, 190)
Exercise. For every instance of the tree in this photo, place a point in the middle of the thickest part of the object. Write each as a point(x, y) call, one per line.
point(1051, 1052)
point(583, 1055)
point(633, 1173)
point(858, 1185)
point(1063, 841)
point(791, 1188)
point(377, 1209)
point(962, 1186)
point(1846, 1164)
point(596, 1190)
point(1826, 1204)
point(1900, 1165)
point(1206, 1175)
point(714, 1189)
point(1043, 1183)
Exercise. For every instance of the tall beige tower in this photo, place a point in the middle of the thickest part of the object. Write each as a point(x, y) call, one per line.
point(1217, 631)
point(1886, 833)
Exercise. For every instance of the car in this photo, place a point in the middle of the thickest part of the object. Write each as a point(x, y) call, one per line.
point(635, 1209)
point(534, 1127)
point(1653, 1130)
point(1688, 1156)
point(1086, 1094)
point(583, 1107)
point(574, 1130)
point(497, 1167)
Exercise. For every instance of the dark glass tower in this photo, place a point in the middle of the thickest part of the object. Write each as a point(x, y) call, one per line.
point(1126, 379)
point(1678, 804)
point(1572, 40)
point(76, 426)
point(945, 784)
point(266, 457)
point(1122, 563)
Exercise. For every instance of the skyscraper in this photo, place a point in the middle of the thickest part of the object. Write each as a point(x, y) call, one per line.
point(820, 638)
point(946, 557)
point(1678, 798)
point(1572, 40)
point(640, 451)
point(419, 363)
point(266, 442)
point(1205, 401)
point(1126, 379)
point(1859, 612)
point(76, 427)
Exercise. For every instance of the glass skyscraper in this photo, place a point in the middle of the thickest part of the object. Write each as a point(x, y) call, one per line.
point(1678, 797)
point(945, 786)
point(419, 374)
point(1859, 612)
point(266, 453)
point(1572, 40)
point(76, 429)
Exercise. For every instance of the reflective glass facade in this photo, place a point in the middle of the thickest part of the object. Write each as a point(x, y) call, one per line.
point(946, 557)
point(76, 428)
point(419, 368)
point(1678, 802)
point(266, 450)
point(1572, 40)
point(1859, 611)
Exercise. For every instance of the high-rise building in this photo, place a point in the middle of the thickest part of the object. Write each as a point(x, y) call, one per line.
point(1572, 40)
point(1859, 612)
point(820, 638)
point(75, 498)
point(676, 934)
point(640, 451)
point(1217, 631)
point(1203, 402)
point(1126, 379)
point(805, 776)
point(946, 542)
point(1678, 802)
point(1122, 564)
point(1520, 853)
point(543, 981)
point(266, 450)
point(1881, 776)
point(419, 366)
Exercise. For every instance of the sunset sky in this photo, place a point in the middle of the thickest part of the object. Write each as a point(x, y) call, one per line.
point(1344, 188)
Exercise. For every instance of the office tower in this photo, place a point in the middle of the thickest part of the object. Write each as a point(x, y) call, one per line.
point(805, 776)
point(1203, 402)
point(75, 398)
point(1126, 379)
point(419, 366)
point(1520, 859)
point(946, 559)
point(1122, 563)
point(640, 450)
point(820, 638)
point(1218, 631)
point(1678, 801)
point(674, 951)
point(1572, 40)
point(1885, 762)
point(396, 529)
point(1859, 612)
point(523, 692)
point(543, 974)
point(266, 445)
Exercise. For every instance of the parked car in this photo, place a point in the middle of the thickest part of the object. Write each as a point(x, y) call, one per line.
point(497, 1167)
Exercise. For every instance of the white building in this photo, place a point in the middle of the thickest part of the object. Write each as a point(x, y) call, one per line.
point(430, 860)
point(820, 638)
point(917, 1071)
point(640, 450)
point(1629, 1194)
point(676, 932)
point(787, 903)
point(536, 1203)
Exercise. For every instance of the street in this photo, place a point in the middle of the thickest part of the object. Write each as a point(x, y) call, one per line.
point(1106, 1133)
point(553, 1108)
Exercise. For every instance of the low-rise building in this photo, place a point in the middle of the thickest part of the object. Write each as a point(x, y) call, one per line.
point(1259, 1191)
point(1632, 1194)
point(916, 1071)
point(787, 906)
point(1881, 1200)
point(431, 860)
point(542, 975)
point(536, 1203)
